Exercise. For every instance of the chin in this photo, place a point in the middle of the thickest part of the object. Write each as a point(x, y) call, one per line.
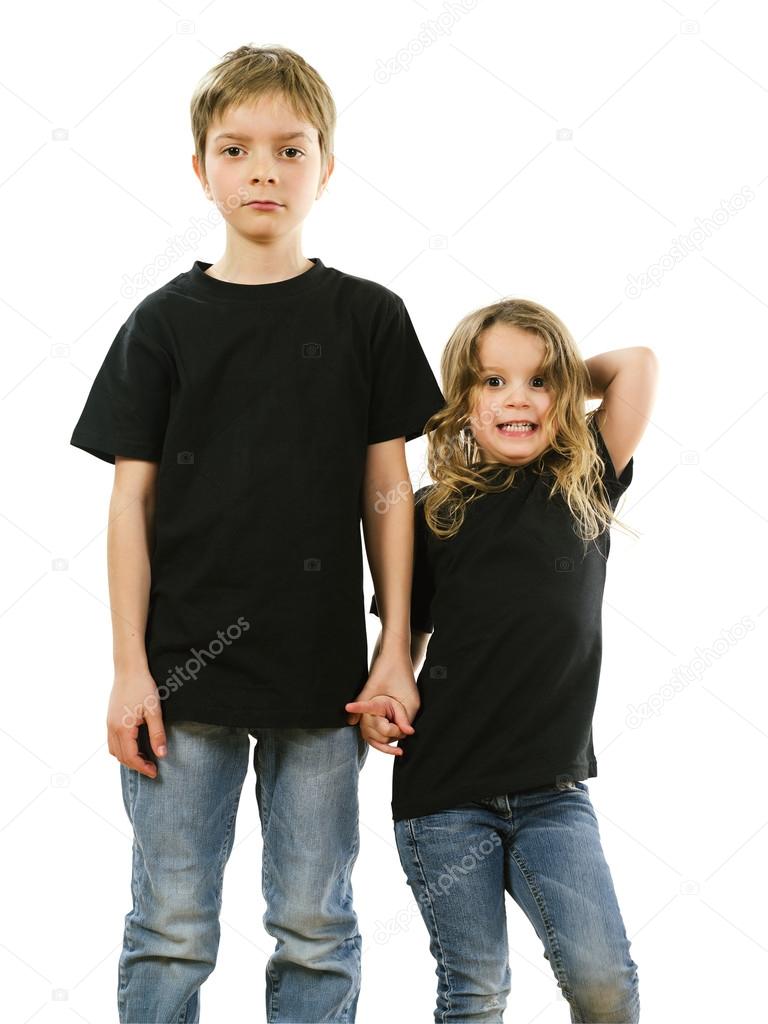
point(521, 458)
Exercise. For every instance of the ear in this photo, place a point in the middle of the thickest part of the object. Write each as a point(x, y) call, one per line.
point(326, 176)
point(200, 174)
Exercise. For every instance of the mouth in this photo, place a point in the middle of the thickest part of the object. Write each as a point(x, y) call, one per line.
point(517, 428)
point(264, 204)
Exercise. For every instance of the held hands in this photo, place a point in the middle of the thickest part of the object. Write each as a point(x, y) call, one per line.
point(388, 703)
point(382, 720)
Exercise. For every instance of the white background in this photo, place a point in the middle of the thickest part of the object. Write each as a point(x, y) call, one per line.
point(454, 186)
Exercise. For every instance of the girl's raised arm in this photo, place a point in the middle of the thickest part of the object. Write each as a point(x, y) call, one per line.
point(626, 379)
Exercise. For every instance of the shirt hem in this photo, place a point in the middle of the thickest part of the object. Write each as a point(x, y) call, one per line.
point(402, 809)
point(410, 431)
point(108, 449)
point(255, 719)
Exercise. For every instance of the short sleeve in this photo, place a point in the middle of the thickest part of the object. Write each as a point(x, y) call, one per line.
point(404, 392)
point(126, 411)
point(613, 484)
point(422, 586)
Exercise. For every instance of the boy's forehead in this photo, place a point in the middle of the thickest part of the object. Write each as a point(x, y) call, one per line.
point(270, 116)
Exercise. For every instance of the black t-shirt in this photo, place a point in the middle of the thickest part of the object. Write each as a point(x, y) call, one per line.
point(259, 402)
point(510, 678)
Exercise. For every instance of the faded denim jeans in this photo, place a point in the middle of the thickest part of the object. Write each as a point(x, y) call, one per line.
point(184, 828)
point(543, 848)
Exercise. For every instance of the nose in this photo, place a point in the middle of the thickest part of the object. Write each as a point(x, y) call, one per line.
point(263, 166)
point(516, 396)
point(512, 402)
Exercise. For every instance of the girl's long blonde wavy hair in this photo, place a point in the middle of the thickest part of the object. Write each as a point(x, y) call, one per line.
point(461, 473)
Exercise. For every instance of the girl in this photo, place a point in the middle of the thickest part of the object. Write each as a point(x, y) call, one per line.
point(510, 550)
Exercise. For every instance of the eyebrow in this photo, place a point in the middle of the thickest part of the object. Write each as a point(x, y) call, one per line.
point(284, 136)
point(502, 368)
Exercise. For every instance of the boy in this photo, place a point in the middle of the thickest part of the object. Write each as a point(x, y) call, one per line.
point(254, 409)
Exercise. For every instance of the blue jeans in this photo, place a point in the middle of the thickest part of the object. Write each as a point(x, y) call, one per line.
point(543, 848)
point(184, 828)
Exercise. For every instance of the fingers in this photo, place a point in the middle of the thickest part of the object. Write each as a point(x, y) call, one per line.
point(382, 720)
point(157, 738)
point(359, 706)
point(381, 733)
point(385, 749)
point(124, 745)
point(132, 757)
point(381, 729)
point(383, 704)
point(401, 719)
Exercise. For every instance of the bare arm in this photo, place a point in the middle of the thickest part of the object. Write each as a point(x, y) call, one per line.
point(419, 643)
point(129, 539)
point(387, 513)
point(134, 697)
point(626, 381)
point(604, 367)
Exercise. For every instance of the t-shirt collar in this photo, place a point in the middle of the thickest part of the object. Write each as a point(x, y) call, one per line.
point(291, 287)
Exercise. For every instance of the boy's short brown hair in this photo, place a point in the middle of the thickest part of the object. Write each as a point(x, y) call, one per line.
point(249, 72)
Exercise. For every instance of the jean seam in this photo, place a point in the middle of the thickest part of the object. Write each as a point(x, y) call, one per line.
point(356, 939)
point(128, 941)
point(345, 873)
point(265, 880)
point(554, 945)
point(223, 854)
point(420, 867)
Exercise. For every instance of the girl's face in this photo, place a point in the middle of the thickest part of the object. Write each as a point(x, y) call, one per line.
point(511, 390)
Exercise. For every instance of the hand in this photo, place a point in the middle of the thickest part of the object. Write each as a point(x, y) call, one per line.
point(133, 701)
point(382, 719)
point(391, 675)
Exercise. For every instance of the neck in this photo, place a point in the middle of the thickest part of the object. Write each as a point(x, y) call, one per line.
point(248, 262)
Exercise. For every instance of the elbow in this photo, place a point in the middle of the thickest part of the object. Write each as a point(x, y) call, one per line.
point(648, 355)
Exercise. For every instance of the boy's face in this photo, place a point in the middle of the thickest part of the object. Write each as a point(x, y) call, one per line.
point(511, 390)
point(266, 152)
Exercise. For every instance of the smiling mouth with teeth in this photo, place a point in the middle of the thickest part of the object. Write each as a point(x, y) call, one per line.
point(516, 428)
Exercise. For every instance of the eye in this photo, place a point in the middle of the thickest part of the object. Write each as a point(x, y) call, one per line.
point(542, 385)
point(292, 149)
point(230, 147)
